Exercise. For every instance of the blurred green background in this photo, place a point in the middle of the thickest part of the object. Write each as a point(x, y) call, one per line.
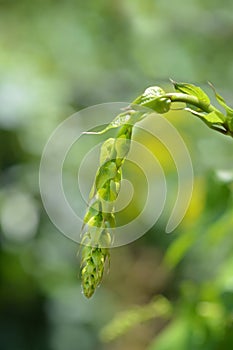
point(57, 57)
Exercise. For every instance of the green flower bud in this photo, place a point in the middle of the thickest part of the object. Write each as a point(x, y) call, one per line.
point(122, 146)
point(107, 150)
point(95, 220)
point(106, 172)
point(160, 105)
point(92, 269)
point(92, 211)
point(152, 92)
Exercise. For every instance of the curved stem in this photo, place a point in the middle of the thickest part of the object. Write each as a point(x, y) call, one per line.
point(192, 100)
point(205, 107)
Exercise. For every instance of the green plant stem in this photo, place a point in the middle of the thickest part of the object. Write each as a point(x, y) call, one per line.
point(192, 100)
point(205, 107)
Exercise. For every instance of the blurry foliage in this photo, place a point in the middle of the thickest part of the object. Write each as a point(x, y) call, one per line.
point(121, 324)
point(55, 58)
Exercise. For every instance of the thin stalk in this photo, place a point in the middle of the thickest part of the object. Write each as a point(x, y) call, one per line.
point(192, 100)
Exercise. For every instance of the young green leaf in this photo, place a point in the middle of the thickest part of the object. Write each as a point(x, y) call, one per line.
point(221, 101)
point(190, 89)
point(130, 117)
point(212, 118)
point(120, 120)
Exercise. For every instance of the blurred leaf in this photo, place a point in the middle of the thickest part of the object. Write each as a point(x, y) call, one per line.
point(173, 337)
point(123, 322)
point(179, 248)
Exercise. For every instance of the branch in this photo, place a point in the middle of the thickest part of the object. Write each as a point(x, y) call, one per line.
point(100, 214)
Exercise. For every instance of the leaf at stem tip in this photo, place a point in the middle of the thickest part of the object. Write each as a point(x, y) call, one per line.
point(221, 101)
point(130, 117)
point(212, 118)
point(190, 89)
point(121, 119)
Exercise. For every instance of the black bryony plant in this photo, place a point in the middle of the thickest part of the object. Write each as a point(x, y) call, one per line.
point(100, 215)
